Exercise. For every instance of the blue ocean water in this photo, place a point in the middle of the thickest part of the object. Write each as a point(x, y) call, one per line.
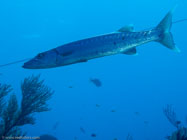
point(134, 88)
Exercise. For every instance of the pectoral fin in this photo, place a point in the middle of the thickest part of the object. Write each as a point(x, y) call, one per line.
point(131, 52)
point(66, 53)
point(128, 28)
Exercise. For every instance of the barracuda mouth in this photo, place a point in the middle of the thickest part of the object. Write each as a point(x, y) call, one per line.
point(25, 66)
point(32, 64)
point(38, 64)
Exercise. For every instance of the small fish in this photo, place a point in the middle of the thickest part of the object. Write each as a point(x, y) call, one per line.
point(98, 105)
point(137, 113)
point(82, 130)
point(113, 110)
point(96, 82)
point(146, 122)
point(70, 87)
point(115, 139)
point(93, 135)
point(75, 138)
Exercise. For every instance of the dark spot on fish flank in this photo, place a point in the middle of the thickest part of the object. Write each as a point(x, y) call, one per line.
point(114, 43)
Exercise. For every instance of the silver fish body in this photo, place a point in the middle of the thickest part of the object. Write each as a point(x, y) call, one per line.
point(104, 45)
point(123, 41)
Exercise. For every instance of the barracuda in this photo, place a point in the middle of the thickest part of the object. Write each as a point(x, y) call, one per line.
point(124, 41)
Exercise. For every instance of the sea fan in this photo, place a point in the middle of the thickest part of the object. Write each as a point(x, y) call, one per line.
point(35, 94)
point(171, 116)
point(180, 134)
point(4, 90)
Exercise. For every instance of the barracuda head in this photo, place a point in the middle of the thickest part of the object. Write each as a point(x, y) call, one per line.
point(42, 61)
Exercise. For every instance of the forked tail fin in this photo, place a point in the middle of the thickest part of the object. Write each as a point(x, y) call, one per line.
point(166, 37)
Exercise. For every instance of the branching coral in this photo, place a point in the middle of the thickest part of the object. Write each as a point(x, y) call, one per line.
point(4, 90)
point(171, 116)
point(35, 94)
point(180, 134)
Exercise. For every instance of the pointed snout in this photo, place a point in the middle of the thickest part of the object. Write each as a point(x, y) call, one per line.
point(27, 65)
point(31, 64)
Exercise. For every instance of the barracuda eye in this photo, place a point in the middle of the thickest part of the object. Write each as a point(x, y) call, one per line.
point(40, 55)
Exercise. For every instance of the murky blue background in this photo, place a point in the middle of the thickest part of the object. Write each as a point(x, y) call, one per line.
point(143, 83)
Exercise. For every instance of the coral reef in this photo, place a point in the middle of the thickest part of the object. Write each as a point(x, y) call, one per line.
point(35, 95)
point(180, 134)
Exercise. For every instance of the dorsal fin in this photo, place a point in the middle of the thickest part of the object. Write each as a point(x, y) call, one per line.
point(131, 51)
point(128, 28)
